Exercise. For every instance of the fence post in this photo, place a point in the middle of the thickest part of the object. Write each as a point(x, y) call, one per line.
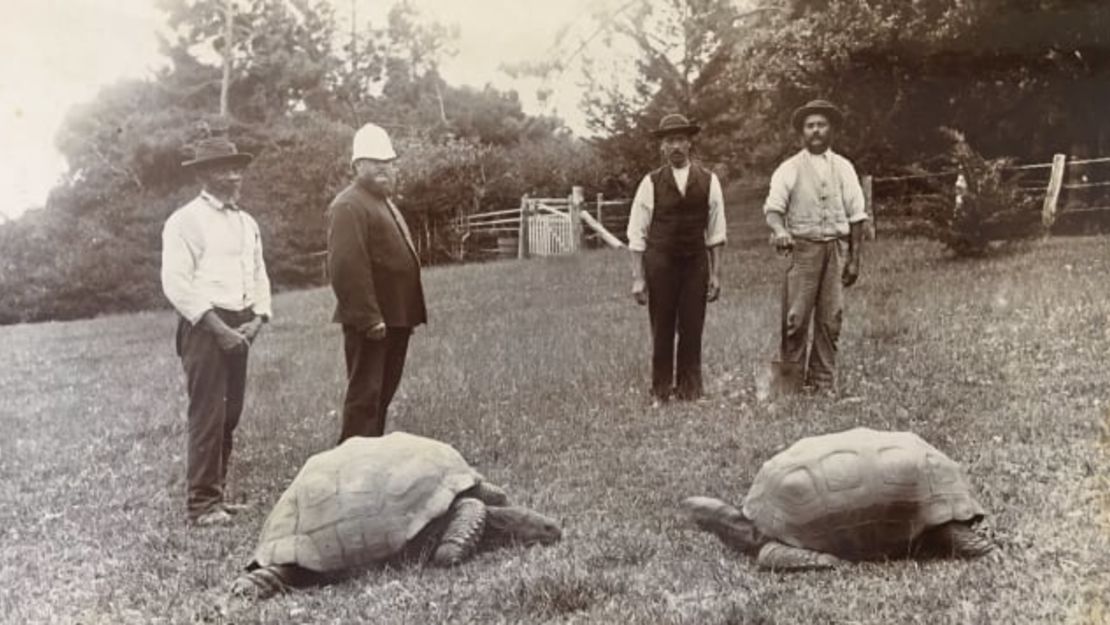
point(600, 199)
point(1052, 193)
point(577, 198)
point(522, 229)
point(868, 207)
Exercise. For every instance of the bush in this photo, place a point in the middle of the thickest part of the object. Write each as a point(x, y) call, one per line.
point(96, 247)
point(987, 207)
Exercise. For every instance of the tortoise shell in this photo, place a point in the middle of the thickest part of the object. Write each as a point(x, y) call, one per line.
point(858, 494)
point(362, 501)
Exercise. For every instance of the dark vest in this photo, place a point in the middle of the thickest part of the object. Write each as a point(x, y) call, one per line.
point(678, 222)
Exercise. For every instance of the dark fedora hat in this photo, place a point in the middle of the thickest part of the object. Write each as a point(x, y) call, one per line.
point(675, 124)
point(824, 107)
point(216, 152)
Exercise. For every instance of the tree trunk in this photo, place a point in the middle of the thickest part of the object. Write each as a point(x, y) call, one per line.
point(225, 84)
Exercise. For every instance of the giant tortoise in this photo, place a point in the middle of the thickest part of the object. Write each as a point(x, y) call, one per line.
point(379, 499)
point(860, 494)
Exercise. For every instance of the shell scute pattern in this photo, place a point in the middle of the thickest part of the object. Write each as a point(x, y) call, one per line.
point(858, 493)
point(362, 501)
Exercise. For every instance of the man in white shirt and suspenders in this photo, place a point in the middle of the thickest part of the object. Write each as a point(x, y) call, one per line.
point(815, 209)
point(214, 275)
point(676, 230)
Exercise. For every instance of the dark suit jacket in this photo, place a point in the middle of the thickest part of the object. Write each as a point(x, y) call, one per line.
point(373, 270)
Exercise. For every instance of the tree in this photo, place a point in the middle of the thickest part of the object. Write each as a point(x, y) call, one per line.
point(297, 92)
point(1017, 76)
point(683, 49)
point(283, 53)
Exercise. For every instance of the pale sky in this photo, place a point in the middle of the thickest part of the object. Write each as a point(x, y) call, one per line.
point(57, 53)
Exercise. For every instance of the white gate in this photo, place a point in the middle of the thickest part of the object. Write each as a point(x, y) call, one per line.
point(550, 234)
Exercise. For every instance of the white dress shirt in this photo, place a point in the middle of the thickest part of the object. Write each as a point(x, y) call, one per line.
point(212, 258)
point(643, 205)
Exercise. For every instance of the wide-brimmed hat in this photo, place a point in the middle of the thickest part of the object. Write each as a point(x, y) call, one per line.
point(217, 152)
point(675, 124)
point(824, 107)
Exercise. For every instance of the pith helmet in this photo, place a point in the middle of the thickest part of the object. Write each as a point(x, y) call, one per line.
point(372, 142)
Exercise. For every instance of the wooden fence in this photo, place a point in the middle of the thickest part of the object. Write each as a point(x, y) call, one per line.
point(564, 225)
point(550, 226)
point(1064, 187)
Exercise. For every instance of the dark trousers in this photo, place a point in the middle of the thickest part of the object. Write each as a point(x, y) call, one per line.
point(374, 371)
point(676, 286)
point(216, 382)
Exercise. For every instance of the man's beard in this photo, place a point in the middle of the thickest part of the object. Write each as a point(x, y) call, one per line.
point(817, 144)
point(225, 192)
point(375, 187)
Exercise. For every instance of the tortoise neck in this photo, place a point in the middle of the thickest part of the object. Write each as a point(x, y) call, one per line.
point(516, 524)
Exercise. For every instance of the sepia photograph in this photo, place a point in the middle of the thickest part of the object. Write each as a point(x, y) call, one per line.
point(631, 312)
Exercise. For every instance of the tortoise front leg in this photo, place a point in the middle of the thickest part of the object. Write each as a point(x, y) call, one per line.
point(956, 539)
point(267, 581)
point(779, 557)
point(466, 520)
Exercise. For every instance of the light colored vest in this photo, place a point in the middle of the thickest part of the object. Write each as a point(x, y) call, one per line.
point(816, 210)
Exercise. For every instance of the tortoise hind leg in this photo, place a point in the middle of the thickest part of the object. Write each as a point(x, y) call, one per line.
point(779, 557)
point(466, 520)
point(266, 581)
point(958, 540)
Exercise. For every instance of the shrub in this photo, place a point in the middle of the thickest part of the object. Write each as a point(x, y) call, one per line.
point(987, 206)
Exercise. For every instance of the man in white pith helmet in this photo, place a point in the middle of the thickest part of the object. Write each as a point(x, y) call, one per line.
point(375, 274)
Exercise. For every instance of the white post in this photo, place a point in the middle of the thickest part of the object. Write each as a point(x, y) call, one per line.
point(1052, 193)
point(577, 198)
point(522, 229)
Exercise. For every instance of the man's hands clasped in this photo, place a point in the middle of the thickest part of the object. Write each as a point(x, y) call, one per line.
point(376, 331)
point(231, 340)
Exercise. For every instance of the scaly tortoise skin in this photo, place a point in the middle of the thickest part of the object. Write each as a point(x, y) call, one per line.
point(370, 500)
point(860, 494)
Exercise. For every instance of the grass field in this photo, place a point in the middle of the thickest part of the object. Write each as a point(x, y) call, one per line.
point(536, 371)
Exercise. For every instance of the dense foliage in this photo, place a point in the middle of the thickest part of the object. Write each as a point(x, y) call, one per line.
point(1020, 79)
point(298, 91)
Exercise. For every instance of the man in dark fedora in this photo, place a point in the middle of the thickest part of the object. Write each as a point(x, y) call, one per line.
point(815, 209)
point(676, 231)
point(214, 275)
point(375, 274)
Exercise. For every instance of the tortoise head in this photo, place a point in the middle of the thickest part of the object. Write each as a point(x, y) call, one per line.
point(727, 522)
point(517, 524)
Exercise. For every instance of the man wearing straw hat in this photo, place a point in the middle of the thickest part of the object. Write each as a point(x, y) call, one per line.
point(676, 230)
point(815, 209)
point(214, 275)
point(375, 274)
